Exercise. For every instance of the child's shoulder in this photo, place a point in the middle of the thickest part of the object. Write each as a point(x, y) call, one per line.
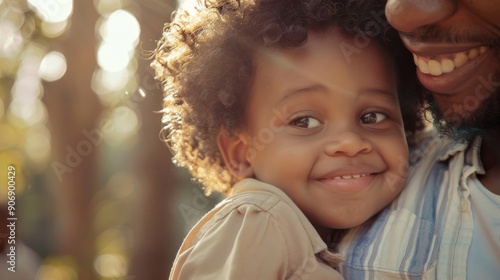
point(256, 234)
point(241, 218)
point(255, 203)
point(251, 196)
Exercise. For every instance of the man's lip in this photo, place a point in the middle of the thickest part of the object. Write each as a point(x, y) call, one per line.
point(435, 49)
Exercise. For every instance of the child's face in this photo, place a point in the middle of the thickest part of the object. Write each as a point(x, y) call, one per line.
point(324, 125)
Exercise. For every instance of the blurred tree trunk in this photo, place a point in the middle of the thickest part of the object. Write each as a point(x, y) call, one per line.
point(153, 254)
point(74, 108)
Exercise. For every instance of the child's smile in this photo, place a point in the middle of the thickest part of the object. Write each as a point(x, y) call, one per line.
point(351, 178)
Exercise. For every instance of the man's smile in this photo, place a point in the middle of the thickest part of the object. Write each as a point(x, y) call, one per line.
point(439, 65)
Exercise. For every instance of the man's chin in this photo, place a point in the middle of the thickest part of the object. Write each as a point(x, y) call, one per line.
point(464, 130)
point(456, 132)
point(466, 126)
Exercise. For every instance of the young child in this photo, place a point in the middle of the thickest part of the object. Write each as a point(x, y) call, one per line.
point(291, 108)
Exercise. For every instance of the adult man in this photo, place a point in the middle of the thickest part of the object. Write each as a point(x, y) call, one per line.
point(446, 223)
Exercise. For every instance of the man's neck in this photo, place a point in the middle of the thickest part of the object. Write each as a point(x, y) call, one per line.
point(490, 157)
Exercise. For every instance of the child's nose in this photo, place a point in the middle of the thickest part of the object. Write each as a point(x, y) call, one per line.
point(348, 143)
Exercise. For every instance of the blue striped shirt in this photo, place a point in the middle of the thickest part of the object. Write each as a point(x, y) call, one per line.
point(427, 231)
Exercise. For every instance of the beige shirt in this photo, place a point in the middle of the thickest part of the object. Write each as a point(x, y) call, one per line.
point(258, 233)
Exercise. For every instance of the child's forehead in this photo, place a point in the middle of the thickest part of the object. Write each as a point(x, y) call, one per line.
point(328, 44)
point(322, 63)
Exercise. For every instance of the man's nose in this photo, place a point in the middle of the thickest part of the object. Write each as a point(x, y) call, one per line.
point(348, 143)
point(409, 15)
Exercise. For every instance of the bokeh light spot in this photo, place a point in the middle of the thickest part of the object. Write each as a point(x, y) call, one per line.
point(38, 145)
point(122, 124)
point(56, 272)
point(53, 66)
point(54, 29)
point(9, 137)
point(111, 265)
point(54, 10)
point(121, 27)
point(122, 185)
point(112, 57)
point(10, 40)
point(2, 108)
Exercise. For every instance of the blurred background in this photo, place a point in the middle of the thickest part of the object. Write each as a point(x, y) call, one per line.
point(96, 195)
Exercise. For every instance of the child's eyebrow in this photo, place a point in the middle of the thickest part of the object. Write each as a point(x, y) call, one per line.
point(298, 92)
point(294, 93)
point(380, 92)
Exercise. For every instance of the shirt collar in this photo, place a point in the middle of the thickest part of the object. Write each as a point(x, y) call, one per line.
point(472, 150)
point(473, 156)
point(450, 150)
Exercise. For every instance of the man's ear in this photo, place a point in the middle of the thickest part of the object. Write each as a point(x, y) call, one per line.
point(234, 152)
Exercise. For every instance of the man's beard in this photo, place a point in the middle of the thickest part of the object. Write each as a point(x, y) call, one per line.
point(467, 126)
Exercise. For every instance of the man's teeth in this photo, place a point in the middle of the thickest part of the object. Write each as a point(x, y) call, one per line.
point(355, 176)
point(436, 67)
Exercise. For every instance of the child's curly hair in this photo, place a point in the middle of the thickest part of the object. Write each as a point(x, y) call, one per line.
point(204, 62)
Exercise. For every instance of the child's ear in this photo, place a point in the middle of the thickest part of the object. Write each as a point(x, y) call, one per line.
point(234, 152)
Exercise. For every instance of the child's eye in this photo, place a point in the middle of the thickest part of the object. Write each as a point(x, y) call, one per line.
point(305, 122)
point(372, 117)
